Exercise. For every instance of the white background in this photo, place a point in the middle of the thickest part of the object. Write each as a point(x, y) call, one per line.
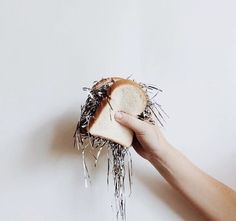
point(50, 49)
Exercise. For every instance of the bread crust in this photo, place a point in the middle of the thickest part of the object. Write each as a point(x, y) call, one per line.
point(105, 81)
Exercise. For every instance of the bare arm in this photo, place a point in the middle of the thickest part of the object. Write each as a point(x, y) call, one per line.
point(213, 199)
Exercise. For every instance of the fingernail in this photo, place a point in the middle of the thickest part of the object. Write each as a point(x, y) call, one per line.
point(118, 115)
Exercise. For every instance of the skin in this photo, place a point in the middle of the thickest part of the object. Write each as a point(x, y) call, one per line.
point(212, 198)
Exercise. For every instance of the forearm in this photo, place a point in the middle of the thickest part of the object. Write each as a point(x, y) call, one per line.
point(212, 198)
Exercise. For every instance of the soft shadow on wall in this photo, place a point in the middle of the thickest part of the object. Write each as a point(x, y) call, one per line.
point(51, 145)
point(162, 190)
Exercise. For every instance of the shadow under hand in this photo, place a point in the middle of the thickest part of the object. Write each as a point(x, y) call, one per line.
point(62, 137)
point(171, 197)
point(62, 145)
point(51, 142)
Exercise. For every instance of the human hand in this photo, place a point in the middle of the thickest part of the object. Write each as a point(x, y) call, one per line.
point(148, 141)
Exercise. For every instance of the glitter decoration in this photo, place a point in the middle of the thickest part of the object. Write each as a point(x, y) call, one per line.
point(119, 161)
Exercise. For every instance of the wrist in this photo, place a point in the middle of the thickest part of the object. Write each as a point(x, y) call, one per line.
point(161, 154)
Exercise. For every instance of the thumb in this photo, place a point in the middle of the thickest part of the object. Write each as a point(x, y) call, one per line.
point(133, 123)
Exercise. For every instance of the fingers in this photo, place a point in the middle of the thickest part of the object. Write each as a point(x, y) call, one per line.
point(138, 126)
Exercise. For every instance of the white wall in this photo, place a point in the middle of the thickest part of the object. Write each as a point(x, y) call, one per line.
point(50, 49)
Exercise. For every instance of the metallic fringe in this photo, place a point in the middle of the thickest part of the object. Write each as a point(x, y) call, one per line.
point(119, 159)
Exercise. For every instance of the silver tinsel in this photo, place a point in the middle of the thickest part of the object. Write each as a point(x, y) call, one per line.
point(119, 161)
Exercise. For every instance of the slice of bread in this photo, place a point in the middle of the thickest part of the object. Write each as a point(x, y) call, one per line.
point(125, 95)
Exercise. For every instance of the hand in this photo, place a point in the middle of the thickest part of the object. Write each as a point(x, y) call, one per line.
point(212, 198)
point(148, 141)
